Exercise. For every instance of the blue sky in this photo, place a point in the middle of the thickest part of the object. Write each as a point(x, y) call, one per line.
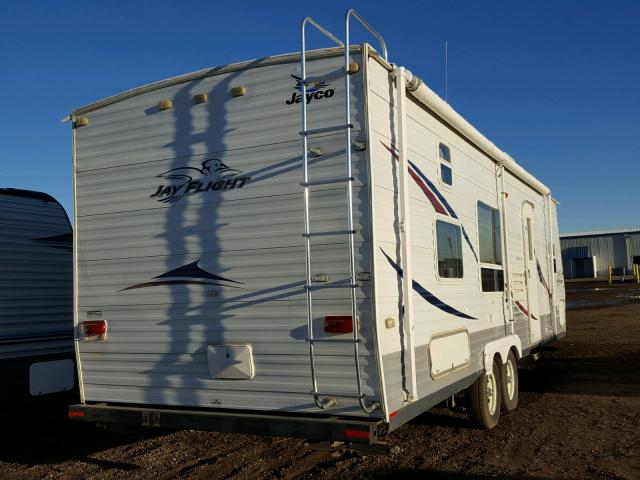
point(555, 84)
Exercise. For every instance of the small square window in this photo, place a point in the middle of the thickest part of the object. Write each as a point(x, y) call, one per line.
point(492, 280)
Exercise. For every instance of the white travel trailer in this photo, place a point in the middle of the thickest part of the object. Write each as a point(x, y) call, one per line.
point(311, 244)
point(36, 300)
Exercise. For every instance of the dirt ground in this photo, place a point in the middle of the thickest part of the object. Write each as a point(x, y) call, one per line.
point(578, 417)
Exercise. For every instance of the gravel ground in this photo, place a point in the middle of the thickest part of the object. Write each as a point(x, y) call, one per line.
point(578, 417)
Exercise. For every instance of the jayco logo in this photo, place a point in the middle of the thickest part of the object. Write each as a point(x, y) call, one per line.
point(315, 90)
point(214, 175)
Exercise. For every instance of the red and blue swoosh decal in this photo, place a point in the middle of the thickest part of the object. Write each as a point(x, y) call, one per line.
point(435, 197)
point(544, 284)
point(522, 308)
point(428, 296)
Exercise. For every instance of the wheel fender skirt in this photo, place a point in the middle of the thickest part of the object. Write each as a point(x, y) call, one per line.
point(501, 347)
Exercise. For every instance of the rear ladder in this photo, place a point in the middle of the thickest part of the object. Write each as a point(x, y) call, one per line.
point(324, 400)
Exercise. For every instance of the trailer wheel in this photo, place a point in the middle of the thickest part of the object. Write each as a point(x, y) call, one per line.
point(485, 398)
point(509, 383)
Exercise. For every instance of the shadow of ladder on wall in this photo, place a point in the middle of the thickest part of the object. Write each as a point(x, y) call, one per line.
point(328, 400)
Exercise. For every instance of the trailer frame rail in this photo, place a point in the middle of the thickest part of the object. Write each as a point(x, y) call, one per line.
point(309, 427)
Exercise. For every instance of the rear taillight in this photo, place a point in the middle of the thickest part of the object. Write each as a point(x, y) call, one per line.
point(359, 434)
point(338, 324)
point(94, 329)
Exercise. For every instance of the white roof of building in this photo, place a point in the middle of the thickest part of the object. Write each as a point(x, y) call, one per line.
point(593, 233)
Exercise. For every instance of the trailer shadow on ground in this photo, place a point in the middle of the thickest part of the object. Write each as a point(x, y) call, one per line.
point(441, 416)
point(602, 376)
point(46, 437)
point(438, 475)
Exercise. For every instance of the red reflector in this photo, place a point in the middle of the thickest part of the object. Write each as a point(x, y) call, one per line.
point(338, 324)
point(393, 414)
point(94, 328)
point(356, 433)
point(75, 413)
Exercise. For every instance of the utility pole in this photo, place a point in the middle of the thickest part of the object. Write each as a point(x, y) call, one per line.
point(446, 71)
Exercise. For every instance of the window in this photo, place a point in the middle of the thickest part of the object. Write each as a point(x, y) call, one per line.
point(489, 234)
point(446, 172)
point(449, 248)
point(492, 280)
point(490, 244)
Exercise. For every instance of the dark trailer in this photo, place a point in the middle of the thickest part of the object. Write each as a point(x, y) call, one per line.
point(37, 359)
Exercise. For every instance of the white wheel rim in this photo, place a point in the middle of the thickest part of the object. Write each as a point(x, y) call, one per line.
point(492, 394)
point(511, 380)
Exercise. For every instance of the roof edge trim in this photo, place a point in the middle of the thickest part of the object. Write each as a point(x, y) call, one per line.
point(209, 72)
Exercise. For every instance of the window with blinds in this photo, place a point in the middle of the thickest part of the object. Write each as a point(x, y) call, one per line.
point(490, 247)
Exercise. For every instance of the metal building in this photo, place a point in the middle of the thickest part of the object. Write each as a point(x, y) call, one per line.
point(590, 254)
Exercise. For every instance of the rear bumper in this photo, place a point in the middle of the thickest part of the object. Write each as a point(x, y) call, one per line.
point(269, 424)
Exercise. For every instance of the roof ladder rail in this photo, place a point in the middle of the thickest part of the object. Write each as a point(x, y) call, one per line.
point(327, 401)
point(352, 13)
point(366, 404)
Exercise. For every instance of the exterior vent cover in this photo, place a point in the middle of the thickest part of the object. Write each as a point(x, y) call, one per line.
point(230, 362)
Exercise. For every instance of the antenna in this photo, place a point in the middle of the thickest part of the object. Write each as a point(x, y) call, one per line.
point(446, 71)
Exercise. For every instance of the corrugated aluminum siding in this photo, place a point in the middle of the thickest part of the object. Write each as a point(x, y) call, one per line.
point(36, 281)
point(249, 233)
point(616, 250)
point(633, 246)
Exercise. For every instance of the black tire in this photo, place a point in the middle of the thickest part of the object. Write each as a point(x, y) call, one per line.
point(485, 398)
point(509, 383)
